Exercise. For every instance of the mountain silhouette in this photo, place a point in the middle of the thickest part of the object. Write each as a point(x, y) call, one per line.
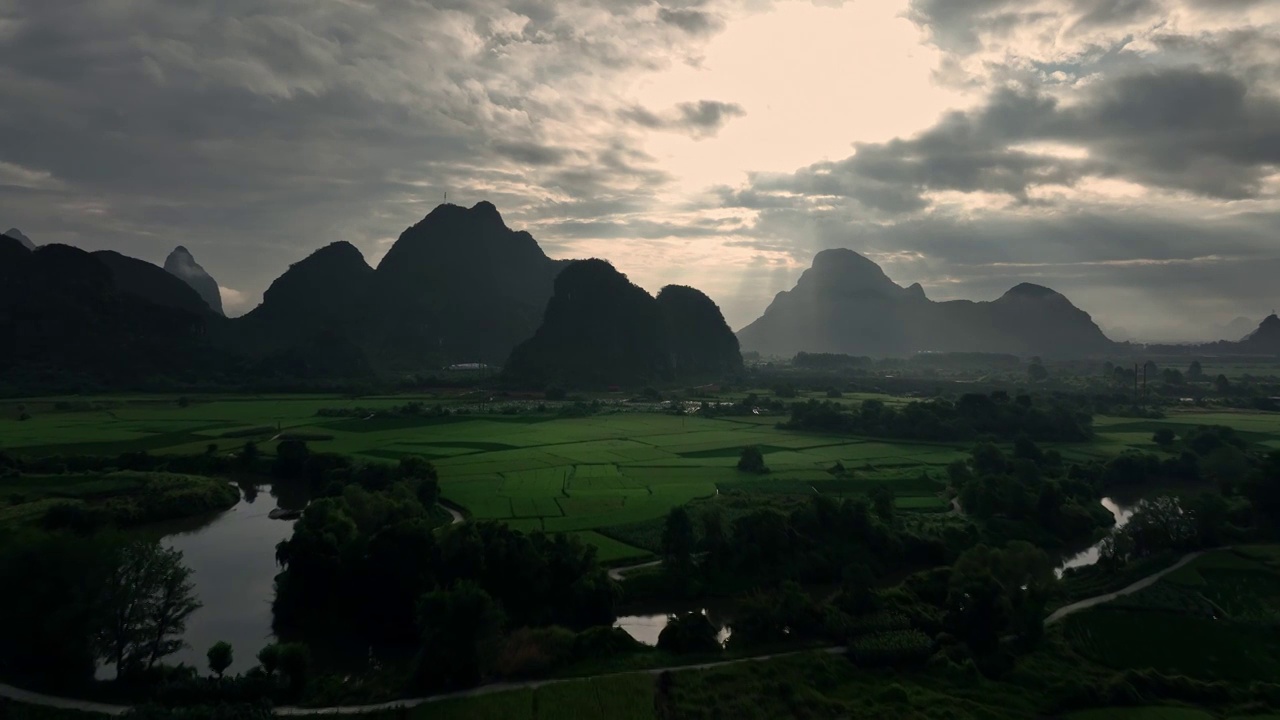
point(457, 286)
point(845, 303)
point(62, 314)
point(601, 329)
point(181, 264)
point(1265, 339)
point(16, 234)
point(151, 283)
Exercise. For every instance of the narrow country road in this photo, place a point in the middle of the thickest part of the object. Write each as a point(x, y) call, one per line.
point(1145, 582)
point(618, 572)
point(31, 698)
point(457, 516)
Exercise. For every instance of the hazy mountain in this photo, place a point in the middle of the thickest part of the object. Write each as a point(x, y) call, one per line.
point(181, 264)
point(151, 283)
point(1265, 339)
point(458, 286)
point(16, 234)
point(600, 329)
point(845, 303)
point(1236, 329)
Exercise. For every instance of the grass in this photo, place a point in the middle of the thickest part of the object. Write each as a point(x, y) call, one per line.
point(1141, 713)
point(588, 476)
point(1213, 619)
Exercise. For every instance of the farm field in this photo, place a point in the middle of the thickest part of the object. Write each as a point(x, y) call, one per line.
point(537, 469)
point(1210, 620)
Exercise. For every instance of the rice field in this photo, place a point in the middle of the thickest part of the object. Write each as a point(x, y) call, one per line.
point(534, 469)
point(1211, 619)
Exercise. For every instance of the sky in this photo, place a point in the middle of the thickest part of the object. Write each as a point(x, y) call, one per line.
point(1122, 152)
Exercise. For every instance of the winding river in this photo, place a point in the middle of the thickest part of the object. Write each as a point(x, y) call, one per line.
point(232, 556)
point(1121, 512)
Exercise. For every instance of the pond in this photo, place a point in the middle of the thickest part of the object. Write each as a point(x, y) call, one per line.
point(232, 556)
point(646, 627)
point(1121, 511)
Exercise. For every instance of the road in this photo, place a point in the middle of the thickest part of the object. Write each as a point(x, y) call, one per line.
point(31, 698)
point(1145, 582)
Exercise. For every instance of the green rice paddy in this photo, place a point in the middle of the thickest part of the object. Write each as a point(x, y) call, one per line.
point(537, 470)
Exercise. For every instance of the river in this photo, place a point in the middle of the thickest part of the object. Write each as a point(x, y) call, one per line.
point(232, 556)
point(646, 627)
point(1121, 511)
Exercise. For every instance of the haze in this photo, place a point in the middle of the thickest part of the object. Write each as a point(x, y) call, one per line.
point(1122, 153)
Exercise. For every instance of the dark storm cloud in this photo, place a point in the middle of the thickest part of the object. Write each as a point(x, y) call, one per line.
point(254, 133)
point(694, 22)
point(701, 119)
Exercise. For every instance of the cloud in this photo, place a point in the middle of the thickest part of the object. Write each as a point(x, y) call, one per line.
point(701, 119)
point(1178, 129)
point(236, 303)
point(694, 22)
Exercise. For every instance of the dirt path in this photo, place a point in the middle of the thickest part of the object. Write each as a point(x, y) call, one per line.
point(618, 572)
point(13, 693)
point(1145, 582)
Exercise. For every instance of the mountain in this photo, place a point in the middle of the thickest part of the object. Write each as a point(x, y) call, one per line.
point(326, 292)
point(458, 286)
point(63, 316)
point(151, 283)
point(1265, 339)
point(1237, 328)
point(700, 341)
point(845, 303)
point(600, 329)
point(16, 234)
point(181, 264)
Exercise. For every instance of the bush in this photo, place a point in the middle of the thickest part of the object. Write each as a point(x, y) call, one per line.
point(896, 647)
point(533, 651)
point(752, 460)
point(689, 633)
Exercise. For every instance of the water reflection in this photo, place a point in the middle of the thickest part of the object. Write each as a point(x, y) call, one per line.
point(232, 556)
point(646, 628)
point(1122, 513)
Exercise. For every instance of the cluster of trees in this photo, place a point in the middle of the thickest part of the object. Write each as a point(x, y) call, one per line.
point(972, 416)
point(375, 557)
point(74, 602)
point(1030, 495)
point(811, 544)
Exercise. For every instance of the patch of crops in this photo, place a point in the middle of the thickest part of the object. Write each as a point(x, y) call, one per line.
point(1141, 713)
point(1173, 644)
point(892, 647)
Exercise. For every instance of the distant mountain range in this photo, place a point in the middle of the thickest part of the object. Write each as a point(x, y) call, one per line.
point(845, 303)
point(460, 286)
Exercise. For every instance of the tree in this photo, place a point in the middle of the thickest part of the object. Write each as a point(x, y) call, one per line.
point(677, 541)
point(1195, 372)
point(881, 497)
point(690, 632)
point(1222, 384)
point(1036, 370)
point(1172, 376)
point(219, 657)
point(461, 633)
point(1164, 437)
point(752, 460)
point(146, 603)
